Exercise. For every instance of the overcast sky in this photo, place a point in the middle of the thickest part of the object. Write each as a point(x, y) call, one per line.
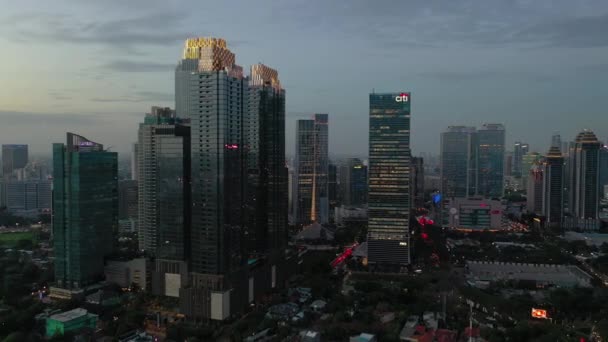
point(95, 67)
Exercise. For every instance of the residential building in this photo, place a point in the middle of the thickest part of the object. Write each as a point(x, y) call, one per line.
point(389, 181)
point(312, 192)
point(85, 210)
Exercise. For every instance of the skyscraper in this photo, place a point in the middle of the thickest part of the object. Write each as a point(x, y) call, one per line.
point(519, 150)
point(127, 199)
point(417, 181)
point(459, 161)
point(163, 166)
point(389, 178)
point(312, 193)
point(239, 179)
point(491, 156)
point(556, 141)
point(332, 186)
point(553, 187)
point(534, 188)
point(267, 194)
point(584, 176)
point(353, 182)
point(85, 210)
point(528, 161)
point(14, 157)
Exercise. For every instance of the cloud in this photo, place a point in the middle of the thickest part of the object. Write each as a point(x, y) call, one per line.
point(580, 32)
point(137, 66)
point(153, 29)
point(137, 97)
point(59, 96)
point(10, 118)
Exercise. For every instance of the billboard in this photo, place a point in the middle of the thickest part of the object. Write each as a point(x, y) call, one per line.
point(539, 313)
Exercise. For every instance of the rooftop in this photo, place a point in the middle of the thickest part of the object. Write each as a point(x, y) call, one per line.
point(69, 315)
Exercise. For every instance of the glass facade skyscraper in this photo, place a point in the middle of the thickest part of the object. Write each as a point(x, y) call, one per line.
point(553, 187)
point(459, 161)
point(585, 176)
point(85, 210)
point(14, 157)
point(353, 182)
point(312, 162)
point(519, 151)
point(491, 156)
point(164, 184)
point(389, 178)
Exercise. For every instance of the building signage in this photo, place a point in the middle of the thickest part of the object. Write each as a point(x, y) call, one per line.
point(403, 97)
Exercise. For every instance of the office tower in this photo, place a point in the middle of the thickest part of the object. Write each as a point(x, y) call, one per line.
point(29, 195)
point(14, 157)
point(508, 164)
point(134, 162)
point(312, 202)
point(353, 182)
point(519, 150)
point(389, 178)
point(603, 167)
point(491, 156)
point(163, 186)
point(417, 181)
point(267, 192)
point(85, 210)
point(459, 161)
point(535, 189)
point(556, 141)
point(127, 199)
point(553, 187)
point(584, 176)
point(528, 161)
point(332, 186)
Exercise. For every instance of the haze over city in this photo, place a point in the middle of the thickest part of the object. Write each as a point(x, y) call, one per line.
point(95, 67)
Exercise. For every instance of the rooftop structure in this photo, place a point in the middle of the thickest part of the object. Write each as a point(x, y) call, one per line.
point(70, 321)
point(542, 274)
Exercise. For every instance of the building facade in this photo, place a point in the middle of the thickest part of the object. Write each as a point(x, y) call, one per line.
point(163, 184)
point(353, 182)
point(14, 157)
point(312, 171)
point(459, 161)
point(519, 151)
point(476, 213)
point(584, 176)
point(85, 210)
point(553, 188)
point(389, 180)
point(491, 156)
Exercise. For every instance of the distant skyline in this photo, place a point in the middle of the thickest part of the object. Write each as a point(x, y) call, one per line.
point(95, 68)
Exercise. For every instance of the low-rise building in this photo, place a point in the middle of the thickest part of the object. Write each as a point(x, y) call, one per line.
point(310, 336)
point(542, 274)
point(475, 213)
point(70, 321)
point(363, 337)
point(127, 272)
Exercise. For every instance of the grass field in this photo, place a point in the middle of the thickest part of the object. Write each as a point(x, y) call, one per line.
point(11, 238)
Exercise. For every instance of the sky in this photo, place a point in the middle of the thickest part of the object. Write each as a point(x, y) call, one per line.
point(96, 67)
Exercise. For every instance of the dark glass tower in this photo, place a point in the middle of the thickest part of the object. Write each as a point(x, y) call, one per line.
point(553, 187)
point(312, 193)
point(389, 178)
point(353, 182)
point(266, 169)
point(491, 156)
point(584, 176)
point(85, 212)
point(164, 184)
point(459, 161)
point(14, 157)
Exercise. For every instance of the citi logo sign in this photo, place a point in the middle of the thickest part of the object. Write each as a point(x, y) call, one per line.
point(403, 97)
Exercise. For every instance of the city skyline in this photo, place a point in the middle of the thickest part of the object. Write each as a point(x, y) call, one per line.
point(100, 75)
